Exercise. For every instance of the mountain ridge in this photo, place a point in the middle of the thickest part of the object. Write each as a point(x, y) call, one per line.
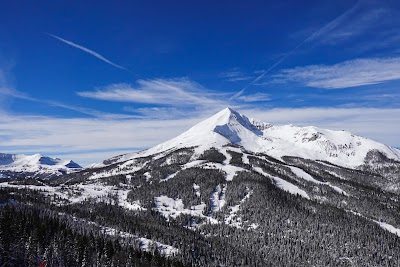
point(228, 126)
point(35, 165)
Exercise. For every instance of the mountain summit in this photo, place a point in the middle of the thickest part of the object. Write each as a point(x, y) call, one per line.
point(230, 127)
point(19, 165)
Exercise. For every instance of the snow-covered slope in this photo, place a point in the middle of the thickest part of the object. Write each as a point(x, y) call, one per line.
point(34, 165)
point(228, 126)
point(338, 147)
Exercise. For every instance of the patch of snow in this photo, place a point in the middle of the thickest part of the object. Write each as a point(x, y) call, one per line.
point(169, 177)
point(253, 226)
point(115, 171)
point(232, 219)
point(147, 176)
point(81, 192)
point(128, 178)
point(196, 189)
point(245, 159)
point(227, 156)
point(289, 187)
point(166, 250)
point(188, 165)
point(145, 244)
point(334, 174)
point(302, 174)
point(228, 169)
point(337, 189)
point(172, 208)
point(217, 198)
point(95, 166)
point(389, 227)
point(125, 203)
point(283, 184)
point(192, 164)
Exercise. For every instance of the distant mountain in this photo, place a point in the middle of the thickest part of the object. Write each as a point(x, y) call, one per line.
point(34, 166)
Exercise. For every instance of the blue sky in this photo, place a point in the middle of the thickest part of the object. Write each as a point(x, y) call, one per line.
point(88, 80)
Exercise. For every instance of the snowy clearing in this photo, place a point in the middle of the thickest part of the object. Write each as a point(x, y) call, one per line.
point(283, 184)
point(172, 208)
point(302, 174)
point(233, 219)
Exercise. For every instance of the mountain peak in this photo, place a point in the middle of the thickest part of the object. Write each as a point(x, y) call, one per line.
point(222, 116)
point(225, 127)
point(227, 110)
point(35, 165)
point(235, 127)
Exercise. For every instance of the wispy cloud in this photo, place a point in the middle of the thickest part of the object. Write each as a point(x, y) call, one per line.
point(366, 26)
point(333, 24)
point(386, 97)
point(235, 75)
point(346, 74)
point(257, 97)
point(364, 20)
point(316, 35)
point(164, 99)
point(170, 98)
point(7, 91)
point(171, 92)
point(87, 50)
point(13, 93)
point(162, 113)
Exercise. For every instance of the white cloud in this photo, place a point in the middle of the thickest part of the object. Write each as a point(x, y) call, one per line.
point(87, 50)
point(346, 74)
point(10, 92)
point(365, 18)
point(7, 91)
point(373, 20)
point(162, 112)
point(168, 99)
point(235, 75)
point(257, 97)
point(88, 139)
point(172, 92)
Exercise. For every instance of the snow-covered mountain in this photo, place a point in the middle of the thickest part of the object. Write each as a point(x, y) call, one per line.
point(229, 183)
point(230, 127)
point(25, 166)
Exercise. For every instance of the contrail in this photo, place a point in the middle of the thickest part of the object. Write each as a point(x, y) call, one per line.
point(326, 28)
point(91, 52)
